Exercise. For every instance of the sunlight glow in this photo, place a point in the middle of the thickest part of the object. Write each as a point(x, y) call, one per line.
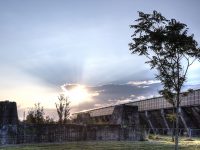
point(78, 94)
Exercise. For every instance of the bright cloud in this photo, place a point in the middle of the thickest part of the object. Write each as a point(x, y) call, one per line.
point(78, 93)
point(25, 89)
point(147, 82)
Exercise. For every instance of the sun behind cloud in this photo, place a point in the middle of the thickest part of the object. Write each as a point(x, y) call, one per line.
point(78, 93)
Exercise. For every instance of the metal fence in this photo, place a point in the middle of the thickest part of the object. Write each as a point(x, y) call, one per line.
point(190, 132)
point(192, 99)
point(61, 133)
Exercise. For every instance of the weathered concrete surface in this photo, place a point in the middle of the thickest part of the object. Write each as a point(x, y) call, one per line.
point(8, 134)
point(113, 132)
point(155, 121)
point(159, 120)
point(125, 115)
point(37, 133)
point(8, 112)
point(8, 122)
point(122, 125)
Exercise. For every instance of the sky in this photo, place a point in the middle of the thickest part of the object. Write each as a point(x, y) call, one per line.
point(47, 45)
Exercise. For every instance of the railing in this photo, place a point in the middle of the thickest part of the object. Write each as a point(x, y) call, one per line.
point(182, 132)
point(43, 133)
point(107, 134)
point(193, 99)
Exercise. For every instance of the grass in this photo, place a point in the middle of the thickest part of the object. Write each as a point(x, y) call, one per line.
point(163, 143)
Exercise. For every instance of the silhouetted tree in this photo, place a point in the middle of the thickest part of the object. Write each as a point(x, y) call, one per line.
point(170, 50)
point(36, 115)
point(63, 109)
point(49, 120)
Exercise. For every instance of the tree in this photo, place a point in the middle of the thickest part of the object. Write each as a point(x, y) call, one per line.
point(169, 49)
point(63, 109)
point(49, 120)
point(36, 115)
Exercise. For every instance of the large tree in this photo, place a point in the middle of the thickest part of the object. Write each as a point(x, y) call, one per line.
point(169, 49)
point(63, 109)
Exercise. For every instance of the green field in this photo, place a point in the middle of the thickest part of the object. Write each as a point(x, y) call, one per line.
point(162, 143)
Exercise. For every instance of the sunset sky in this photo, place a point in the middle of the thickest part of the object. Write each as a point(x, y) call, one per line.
point(81, 48)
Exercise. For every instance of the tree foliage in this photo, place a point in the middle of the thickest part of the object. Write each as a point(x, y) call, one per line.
point(170, 49)
point(167, 45)
point(63, 109)
point(36, 115)
point(49, 120)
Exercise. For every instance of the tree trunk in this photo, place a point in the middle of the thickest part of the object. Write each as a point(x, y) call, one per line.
point(173, 124)
point(178, 89)
point(177, 120)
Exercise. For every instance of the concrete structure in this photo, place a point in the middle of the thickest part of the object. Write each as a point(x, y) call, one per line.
point(38, 133)
point(123, 126)
point(154, 113)
point(8, 122)
point(8, 112)
point(124, 115)
point(120, 122)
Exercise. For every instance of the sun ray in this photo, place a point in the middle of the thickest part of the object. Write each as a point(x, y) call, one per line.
point(78, 94)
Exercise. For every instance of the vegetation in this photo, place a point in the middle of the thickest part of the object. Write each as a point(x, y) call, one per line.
point(170, 50)
point(49, 120)
point(156, 143)
point(63, 109)
point(36, 116)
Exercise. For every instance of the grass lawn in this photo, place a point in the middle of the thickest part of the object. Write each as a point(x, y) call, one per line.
point(162, 143)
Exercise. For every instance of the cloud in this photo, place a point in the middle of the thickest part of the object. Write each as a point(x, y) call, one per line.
point(147, 82)
point(141, 97)
point(78, 93)
point(43, 49)
point(25, 89)
point(112, 94)
point(132, 96)
point(69, 86)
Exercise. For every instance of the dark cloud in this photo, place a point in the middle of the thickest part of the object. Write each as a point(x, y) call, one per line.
point(111, 94)
point(138, 75)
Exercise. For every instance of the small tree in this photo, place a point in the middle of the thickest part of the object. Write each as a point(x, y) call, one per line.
point(63, 109)
point(36, 115)
point(49, 120)
point(170, 50)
